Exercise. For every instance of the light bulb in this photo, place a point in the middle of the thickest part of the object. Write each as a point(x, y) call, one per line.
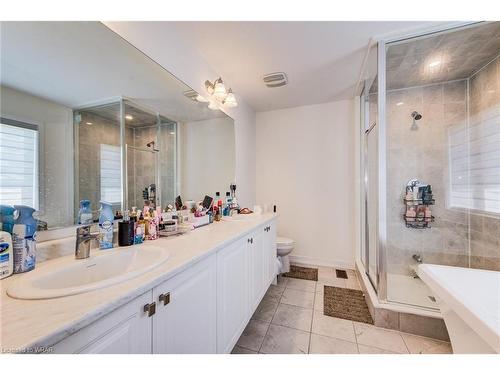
point(129, 117)
point(220, 92)
point(230, 100)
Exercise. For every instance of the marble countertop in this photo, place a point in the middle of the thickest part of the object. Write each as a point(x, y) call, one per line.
point(27, 324)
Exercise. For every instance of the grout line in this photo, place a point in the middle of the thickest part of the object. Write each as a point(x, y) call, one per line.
point(312, 319)
point(269, 326)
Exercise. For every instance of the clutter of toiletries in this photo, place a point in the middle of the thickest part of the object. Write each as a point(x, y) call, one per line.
point(18, 226)
point(17, 239)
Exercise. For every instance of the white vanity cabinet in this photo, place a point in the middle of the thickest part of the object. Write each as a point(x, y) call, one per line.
point(185, 319)
point(232, 294)
point(127, 330)
point(202, 309)
point(271, 252)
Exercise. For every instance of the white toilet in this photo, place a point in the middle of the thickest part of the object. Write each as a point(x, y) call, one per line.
point(284, 247)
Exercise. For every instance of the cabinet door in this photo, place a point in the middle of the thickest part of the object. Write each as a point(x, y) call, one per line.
point(187, 322)
point(257, 266)
point(126, 330)
point(269, 245)
point(232, 294)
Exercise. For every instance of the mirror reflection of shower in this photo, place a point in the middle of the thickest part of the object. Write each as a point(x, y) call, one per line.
point(415, 116)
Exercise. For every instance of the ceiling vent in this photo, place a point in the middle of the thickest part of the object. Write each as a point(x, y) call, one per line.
point(275, 79)
point(191, 94)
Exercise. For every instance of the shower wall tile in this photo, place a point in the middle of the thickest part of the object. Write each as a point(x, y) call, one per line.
point(422, 152)
point(485, 107)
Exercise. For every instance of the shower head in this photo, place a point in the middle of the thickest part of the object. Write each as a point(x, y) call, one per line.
point(416, 116)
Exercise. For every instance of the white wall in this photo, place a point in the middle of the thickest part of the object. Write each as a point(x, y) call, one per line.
point(160, 42)
point(207, 160)
point(305, 166)
point(56, 135)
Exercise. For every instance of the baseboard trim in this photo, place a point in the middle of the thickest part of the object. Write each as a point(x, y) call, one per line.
point(320, 262)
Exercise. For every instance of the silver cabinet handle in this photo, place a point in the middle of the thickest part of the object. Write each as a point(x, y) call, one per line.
point(150, 308)
point(165, 297)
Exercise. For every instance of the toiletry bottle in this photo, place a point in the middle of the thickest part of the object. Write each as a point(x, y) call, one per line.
point(8, 216)
point(415, 193)
point(85, 213)
point(427, 214)
point(153, 222)
point(227, 205)
point(24, 240)
point(411, 214)
point(139, 229)
point(106, 218)
point(6, 255)
point(126, 232)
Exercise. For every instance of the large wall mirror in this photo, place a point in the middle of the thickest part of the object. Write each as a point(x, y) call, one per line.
point(85, 116)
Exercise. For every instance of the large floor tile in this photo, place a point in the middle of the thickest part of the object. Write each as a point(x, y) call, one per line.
point(284, 340)
point(253, 335)
point(275, 292)
point(266, 309)
point(339, 283)
point(325, 273)
point(329, 345)
point(293, 317)
point(333, 327)
point(299, 284)
point(365, 349)
point(367, 334)
point(424, 345)
point(352, 283)
point(298, 298)
point(240, 350)
point(319, 300)
point(282, 281)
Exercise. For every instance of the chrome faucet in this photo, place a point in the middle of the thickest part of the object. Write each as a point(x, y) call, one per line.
point(83, 240)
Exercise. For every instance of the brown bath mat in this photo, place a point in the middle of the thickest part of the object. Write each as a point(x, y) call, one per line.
point(346, 304)
point(304, 273)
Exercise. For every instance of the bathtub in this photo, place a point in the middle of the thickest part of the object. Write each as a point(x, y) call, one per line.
point(469, 300)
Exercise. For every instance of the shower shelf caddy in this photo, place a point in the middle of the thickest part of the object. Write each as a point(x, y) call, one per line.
point(419, 205)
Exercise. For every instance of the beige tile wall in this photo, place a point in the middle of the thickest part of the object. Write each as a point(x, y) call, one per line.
point(423, 153)
point(485, 106)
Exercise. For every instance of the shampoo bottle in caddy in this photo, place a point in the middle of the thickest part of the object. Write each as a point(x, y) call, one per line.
point(106, 218)
point(24, 240)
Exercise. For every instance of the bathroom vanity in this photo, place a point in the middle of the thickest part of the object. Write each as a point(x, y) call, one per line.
point(198, 300)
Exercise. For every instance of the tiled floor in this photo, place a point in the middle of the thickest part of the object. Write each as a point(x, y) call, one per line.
point(290, 320)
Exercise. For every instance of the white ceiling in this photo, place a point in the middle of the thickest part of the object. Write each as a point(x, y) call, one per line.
point(79, 63)
point(322, 59)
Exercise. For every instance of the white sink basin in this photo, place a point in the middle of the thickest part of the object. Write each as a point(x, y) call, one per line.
point(68, 276)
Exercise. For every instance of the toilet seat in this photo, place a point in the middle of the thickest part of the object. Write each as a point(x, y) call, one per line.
point(284, 243)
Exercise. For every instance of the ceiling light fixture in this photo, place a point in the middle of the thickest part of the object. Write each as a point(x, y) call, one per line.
point(88, 123)
point(129, 117)
point(219, 94)
point(434, 63)
point(399, 103)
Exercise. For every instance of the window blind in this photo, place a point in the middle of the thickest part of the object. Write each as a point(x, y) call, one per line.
point(18, 163)
point(110, 174)
point(475, 166)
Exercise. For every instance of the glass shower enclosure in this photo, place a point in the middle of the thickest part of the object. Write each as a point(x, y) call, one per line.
point(430, 137)
point(125, 154)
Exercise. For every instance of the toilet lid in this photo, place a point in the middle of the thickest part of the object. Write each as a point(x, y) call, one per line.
point(283, 241)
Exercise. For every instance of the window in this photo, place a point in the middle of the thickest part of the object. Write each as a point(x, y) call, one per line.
point(111, 187)
point(19, 159)
point(475, 166)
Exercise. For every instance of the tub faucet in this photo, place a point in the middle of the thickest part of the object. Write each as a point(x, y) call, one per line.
point(418, 258)
point(83, 240)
